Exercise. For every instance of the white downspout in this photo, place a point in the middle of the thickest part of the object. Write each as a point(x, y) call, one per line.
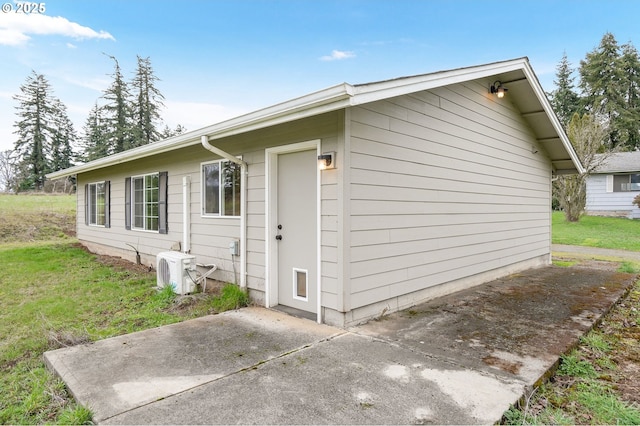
point(243, 210)
point(186, 214)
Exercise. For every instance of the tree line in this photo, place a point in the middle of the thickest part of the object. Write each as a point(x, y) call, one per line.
point(127, 115)
point(600, 114)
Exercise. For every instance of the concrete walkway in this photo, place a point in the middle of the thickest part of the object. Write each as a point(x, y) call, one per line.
point(595, 252)
point(460, 359)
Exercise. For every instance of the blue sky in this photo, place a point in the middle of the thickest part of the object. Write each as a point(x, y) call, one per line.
point(220, 58)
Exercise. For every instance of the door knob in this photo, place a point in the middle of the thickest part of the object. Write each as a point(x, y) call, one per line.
point(278, 237)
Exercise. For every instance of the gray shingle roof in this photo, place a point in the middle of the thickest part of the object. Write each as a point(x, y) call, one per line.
point(620, 162)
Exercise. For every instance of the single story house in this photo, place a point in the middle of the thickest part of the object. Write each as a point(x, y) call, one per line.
point(614, 184)
point(351, 201)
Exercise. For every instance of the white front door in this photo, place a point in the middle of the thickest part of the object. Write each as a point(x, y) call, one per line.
point(296, 230)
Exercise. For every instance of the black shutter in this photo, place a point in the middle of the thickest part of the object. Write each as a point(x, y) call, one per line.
point(86, 204)
point(127, 203)
point(163, 180)
point(107, 204)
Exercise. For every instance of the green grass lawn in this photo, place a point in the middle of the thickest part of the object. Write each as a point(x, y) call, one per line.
point(594, 231)
point(56, 294)
point(53, 293)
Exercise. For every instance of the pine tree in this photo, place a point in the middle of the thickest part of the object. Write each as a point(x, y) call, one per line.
point(630, 114)
point(95, 139)
point(169, 133)
point(564, 100)
point(601, 81)
point(146, 105)
point(36, 117)
point(63, 138)
point(118, 112)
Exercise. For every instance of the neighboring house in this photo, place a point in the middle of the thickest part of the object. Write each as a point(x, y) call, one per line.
point(612, 187)
point(437, 185)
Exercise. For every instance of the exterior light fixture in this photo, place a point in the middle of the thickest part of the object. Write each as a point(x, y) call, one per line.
point(326, 161)
point(498, 89)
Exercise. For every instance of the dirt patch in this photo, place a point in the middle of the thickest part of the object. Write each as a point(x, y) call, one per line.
point(119, 263)
point(600, 265)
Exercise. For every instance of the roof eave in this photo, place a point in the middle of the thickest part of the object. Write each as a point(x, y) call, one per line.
point(542, 98)
point(331, 99)
point(326, 100)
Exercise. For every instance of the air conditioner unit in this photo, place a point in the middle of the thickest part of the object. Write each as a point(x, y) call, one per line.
point(175, 269)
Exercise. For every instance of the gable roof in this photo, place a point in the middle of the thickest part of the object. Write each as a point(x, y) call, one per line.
point(619, 162)
point(525, 93)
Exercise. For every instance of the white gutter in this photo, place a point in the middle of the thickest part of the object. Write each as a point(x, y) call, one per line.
point(244, 167)
point(205, 143)
point(326, 100)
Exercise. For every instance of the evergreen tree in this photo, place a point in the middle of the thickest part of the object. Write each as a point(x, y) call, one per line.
point(146, 105)
point(564, 100)
point(95, 139)
point(601, 80)
point(118, 112)
point(36, 114)
point(630, 115)
point(63, 138)
point(169, 133)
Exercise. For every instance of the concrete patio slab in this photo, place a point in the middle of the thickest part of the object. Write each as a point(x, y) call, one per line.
point(460, 359)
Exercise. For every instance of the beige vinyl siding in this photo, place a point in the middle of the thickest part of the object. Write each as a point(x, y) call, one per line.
point(444, 185)
point(210, 236)
point(327, 128)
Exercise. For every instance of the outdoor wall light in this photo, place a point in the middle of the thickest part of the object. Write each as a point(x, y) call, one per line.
point(498, 89)
point(327, 160)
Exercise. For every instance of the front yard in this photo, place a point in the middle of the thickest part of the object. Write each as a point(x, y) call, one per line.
point(53, 293)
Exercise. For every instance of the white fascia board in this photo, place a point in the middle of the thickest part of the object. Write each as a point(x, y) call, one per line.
point(314, 104)
point(542, 98)
point(326, 100)
point(387, 89)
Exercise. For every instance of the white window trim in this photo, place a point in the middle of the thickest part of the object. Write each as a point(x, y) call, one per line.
point(220, 192)
point(104, 183)
point(609, 183)
point(133, 204)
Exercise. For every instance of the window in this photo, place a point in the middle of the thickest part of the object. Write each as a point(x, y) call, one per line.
point(623, 183)
point(221, 189)
point(97, 203)
point(146, 202)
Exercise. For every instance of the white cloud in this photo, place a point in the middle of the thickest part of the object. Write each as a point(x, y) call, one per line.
point(71, 46)
point(337, 55)
point(15, 28)
point(10, 37)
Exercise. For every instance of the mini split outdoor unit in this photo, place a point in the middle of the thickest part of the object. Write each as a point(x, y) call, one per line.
point(173, 269)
